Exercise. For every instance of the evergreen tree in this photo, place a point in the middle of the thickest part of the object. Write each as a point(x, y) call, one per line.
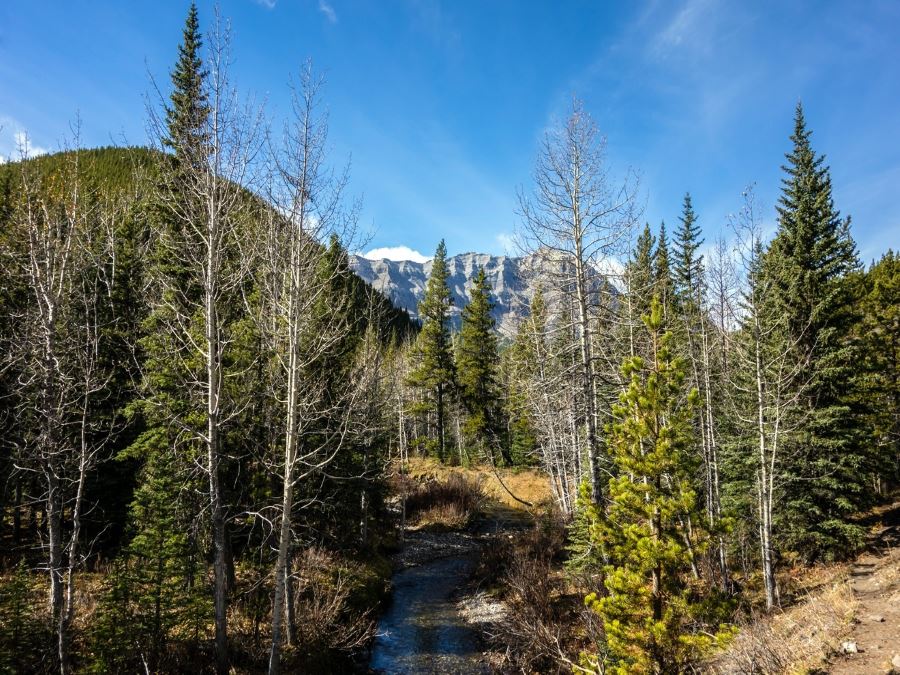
point(522, 360)
point(23, 633)
point(688, 271)
point(434, 372)
point(810, 260)
point(176, 386)
point(656, 619)
point(662, 273)
point(879, 382)
point(187, 114)
point(640, 279)
point(164, 592)
point(476, 367)
point(584, 549)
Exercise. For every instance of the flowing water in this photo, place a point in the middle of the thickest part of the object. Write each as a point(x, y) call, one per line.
point(422, 631)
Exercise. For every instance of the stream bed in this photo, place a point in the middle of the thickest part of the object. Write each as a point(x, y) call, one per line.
point(422, 630)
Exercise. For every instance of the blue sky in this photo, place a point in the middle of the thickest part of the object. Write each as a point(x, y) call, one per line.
point(441, 104)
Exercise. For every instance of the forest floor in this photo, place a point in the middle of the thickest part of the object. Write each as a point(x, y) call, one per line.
point(845, 620)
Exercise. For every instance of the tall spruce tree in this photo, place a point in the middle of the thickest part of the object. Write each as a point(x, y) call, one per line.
point(187, 114)
point(662, 273)
point(656, 618)
point(809, 261)
point(692, 331)
point(193, 283)
point(688, 270)
point(435, 372)
point(476, 368)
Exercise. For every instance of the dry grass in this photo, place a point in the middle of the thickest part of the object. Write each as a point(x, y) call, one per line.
point(530, 485)
point(448, 503)
point(795, 641)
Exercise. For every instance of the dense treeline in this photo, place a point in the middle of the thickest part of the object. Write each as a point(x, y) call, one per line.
point(193, 392)
point(199, 400)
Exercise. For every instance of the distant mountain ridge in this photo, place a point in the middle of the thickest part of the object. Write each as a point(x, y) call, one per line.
point(403, 281)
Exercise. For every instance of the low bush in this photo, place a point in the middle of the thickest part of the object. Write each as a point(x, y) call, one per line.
point(546, 624)
point(449, 503)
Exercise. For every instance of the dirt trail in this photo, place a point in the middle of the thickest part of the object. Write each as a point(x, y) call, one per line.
point(875, 580)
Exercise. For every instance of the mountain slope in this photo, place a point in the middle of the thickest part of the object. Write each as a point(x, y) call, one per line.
point(129, 173)
point(404, 283)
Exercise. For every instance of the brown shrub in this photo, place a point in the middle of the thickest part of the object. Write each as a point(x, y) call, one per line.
point(545, 625)
point(451, 502)
point(322, 614)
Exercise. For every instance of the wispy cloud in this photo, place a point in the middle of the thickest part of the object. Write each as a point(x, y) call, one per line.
point(507, 242)
point(328, 11)
point(689, 26)
point(15, 141)
point(396, 253)
point(268, 4)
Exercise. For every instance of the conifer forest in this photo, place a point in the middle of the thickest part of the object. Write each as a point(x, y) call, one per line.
point(223, 451)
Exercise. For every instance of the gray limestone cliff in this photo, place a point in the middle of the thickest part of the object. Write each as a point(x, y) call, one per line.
point(404, 283)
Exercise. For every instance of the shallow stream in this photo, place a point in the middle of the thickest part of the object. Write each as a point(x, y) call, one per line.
point(422, 630)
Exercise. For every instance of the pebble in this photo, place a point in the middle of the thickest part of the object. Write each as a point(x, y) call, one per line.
point(849, 647)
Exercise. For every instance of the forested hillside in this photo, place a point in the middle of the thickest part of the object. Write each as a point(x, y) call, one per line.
point(207, 418)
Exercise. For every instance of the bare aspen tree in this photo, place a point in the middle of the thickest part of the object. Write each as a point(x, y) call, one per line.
point(62, 379)
point(546, 359)
point(716, 345)
point(202, 201)
point(773, 372)
point(576, 221)
point(302, 319)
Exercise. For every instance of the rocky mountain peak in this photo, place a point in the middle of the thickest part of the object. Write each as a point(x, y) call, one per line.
point(403, 281)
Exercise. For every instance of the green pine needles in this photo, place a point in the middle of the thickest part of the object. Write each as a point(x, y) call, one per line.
point(476, 366)
point(435, 373)
point(657, 615)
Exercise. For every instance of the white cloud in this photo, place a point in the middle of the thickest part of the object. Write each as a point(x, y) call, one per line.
point(396, 253)
point(507, 243)
point(23, 142)
point(14, 139)
point(328, 11)
point(268, 4)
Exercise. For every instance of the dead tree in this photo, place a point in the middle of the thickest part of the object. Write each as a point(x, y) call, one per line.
point(58, 343)
point(576, 222)
point(302, 320)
